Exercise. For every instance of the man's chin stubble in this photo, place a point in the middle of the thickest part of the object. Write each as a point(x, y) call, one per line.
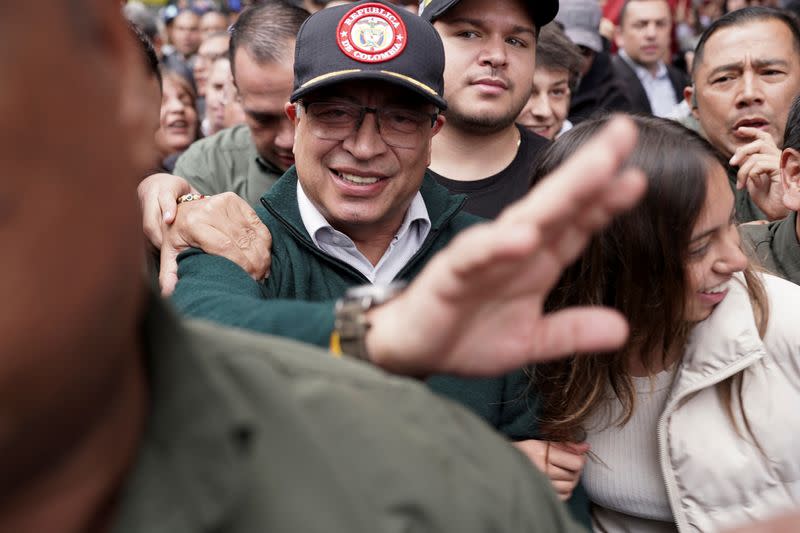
point(480, 124)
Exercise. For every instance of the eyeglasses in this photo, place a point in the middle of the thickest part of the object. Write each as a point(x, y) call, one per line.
point(398, 126)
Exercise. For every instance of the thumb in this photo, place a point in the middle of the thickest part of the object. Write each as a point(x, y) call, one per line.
point(578, 448)
point(168, 270)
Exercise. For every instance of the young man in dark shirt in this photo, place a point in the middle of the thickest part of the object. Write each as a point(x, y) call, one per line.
point(491, 55)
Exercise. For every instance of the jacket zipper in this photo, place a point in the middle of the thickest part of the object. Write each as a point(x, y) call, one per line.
point(426, 245)
point(667, 471)
point(310, 245)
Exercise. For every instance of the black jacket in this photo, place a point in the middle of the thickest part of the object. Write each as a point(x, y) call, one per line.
point(599, 92)
point(636, 93)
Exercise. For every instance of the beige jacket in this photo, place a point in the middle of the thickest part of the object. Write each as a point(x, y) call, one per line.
point(714, 477)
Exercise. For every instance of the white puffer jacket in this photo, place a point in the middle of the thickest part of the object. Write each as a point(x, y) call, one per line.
point(716, 479)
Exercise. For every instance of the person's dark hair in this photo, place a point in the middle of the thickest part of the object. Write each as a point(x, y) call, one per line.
point(637, 266)
point(554, 50)
point(793, 7)
point(265, 30)
point(791, 137)
point(741, 17)
point(624, 9)
point(148, 52)
point(181, 73)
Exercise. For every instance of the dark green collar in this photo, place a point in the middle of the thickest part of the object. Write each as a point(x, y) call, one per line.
point(190, 462)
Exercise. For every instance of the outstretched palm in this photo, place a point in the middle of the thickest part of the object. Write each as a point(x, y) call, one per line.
point(477, 309)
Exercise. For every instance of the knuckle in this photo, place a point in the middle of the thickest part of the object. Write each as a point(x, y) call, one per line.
point(246, 239)
point(252, 218)
point(226, 197)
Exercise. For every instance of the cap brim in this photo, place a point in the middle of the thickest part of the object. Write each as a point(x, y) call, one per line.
point(393, 78)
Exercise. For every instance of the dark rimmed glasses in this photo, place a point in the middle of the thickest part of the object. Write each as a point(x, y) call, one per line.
point(398, 126)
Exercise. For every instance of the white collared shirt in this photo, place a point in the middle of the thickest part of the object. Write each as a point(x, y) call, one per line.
point(405, 244)
point(658, 87)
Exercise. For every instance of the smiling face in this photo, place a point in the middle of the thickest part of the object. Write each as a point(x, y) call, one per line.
point(178, 117)
point(714, 253)
point(491, 54)
point(361, 183)
point(264, 90)
point(747, 76)
point(548, 106)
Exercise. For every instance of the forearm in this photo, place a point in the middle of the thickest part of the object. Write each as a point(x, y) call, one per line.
point(213, 288)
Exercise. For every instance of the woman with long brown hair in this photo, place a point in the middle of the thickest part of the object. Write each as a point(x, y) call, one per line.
point(693, 425)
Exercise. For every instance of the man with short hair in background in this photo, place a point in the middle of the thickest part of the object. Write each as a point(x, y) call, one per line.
point(185, 37)
point(643, 38)
point(746, 73)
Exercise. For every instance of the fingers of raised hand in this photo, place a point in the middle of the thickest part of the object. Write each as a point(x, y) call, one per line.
point(763, 144)
point(578, 330)
point(760, 166)
point(491, 245)
point(581, 180)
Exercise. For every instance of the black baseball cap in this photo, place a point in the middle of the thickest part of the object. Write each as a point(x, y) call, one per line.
point(542, 11)
point(369, 40)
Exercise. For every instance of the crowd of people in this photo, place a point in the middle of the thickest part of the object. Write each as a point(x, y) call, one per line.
point(455, 265)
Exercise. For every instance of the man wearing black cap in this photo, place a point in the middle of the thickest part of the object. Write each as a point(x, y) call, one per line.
point(359, 207)
point(491, 56)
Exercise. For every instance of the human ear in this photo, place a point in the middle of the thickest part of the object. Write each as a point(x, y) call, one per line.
point(790, 178)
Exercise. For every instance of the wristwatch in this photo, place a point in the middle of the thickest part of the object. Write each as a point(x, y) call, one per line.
point(351, 323)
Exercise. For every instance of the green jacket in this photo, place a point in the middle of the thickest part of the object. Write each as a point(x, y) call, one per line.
point(775, 246)
point(227, 161)
point(297, 299)
point(746, 209)
point(249, 433)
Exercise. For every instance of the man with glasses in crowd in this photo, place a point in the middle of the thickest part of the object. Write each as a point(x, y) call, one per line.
point(359, 208)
